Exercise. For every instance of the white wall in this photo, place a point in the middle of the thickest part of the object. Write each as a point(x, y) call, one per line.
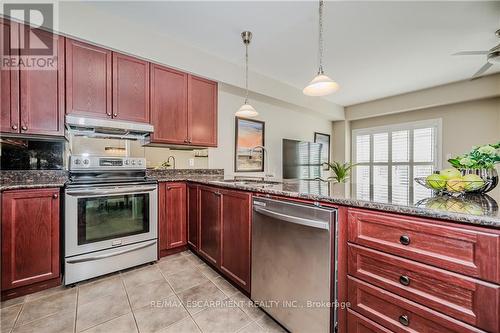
point(282, 121)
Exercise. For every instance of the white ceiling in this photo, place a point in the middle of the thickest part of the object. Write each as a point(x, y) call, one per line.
point(373, 49)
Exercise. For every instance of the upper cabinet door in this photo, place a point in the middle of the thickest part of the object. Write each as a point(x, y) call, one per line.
point(130, 88)
point(9, 81)
point(88, 80)
point(202, 112)
point(168, 105)
point(42, 91)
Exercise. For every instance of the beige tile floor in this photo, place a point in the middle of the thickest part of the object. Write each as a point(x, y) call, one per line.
point(178, 294)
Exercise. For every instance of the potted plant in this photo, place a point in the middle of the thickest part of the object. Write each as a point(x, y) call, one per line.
point(340, 170)
point(481, 161)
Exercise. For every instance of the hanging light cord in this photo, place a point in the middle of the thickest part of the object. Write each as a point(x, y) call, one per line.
point(320, 38)
point(246, 72)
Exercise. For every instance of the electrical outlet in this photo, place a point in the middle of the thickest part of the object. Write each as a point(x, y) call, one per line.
point(191, 162)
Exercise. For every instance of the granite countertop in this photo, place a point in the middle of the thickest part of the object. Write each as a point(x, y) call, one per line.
point(26, 179)
point(472, 209)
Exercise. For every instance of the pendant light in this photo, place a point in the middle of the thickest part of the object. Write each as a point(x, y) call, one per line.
point(321, 85)
point(246, 110)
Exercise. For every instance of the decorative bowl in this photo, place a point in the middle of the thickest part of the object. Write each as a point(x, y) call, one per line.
point(455, 187)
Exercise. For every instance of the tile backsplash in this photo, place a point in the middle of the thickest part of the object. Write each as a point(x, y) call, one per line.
point(155, 156)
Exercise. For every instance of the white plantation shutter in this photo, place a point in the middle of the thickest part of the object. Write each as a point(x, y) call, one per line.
point(390, 157)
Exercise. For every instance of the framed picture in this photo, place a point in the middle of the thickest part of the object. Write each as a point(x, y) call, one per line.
point(249, 134)
point(324, 139)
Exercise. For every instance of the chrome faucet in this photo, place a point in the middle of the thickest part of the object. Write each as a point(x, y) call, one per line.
point(173, 158)
point(267, 175)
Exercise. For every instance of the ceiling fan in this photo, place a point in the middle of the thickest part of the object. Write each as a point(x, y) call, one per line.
point(492, 57)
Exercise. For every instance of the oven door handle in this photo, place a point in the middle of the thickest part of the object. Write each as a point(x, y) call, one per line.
point(116, 191)
point(117, 253)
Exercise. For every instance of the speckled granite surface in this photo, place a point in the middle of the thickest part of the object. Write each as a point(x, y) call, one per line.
point(25, 179)
point(479, 210)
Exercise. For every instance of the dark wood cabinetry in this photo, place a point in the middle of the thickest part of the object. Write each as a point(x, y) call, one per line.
point(224, 218)
point(210, 224)
point(130, 88)
point(169, 105)
point(412, 274)
point(183, 108)
point(33, 98)
point(202, 112)
point(30, 238)
point(88, 80)
point(235, 236)
point(193, 215)
point(172, 216)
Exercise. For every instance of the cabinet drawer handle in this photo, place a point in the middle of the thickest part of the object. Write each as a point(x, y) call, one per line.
point(404, 280)
point(55, 196)
point(405, 240)
point(14, 127)
point(404, 320)
point(24, 128)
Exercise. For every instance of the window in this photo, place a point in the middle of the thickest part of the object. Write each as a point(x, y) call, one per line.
point(388, 158)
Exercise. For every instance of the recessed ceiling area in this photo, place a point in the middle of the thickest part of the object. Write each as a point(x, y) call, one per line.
point(373, 49)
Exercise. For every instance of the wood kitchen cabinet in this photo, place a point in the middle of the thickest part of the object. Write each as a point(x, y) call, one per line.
point(130, 88)
point(88, 80)
point(235, 236)
point(183, 108)
point(30, 239)
point(169, 105)
point(33, 99)
point(202, 112)
point(224, 231)
point(172, 216)
point(210, 224)
point(193, 215)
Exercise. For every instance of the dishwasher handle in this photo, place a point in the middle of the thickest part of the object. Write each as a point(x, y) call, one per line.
point(292, 219)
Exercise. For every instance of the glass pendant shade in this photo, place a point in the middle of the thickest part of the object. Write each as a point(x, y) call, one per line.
point(246, 111)
point(321, 85)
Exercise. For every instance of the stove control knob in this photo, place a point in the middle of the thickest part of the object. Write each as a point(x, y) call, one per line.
point(133, 162)
point(78, 162)
point(86, 161)
point(127, 162)
point(139, 162)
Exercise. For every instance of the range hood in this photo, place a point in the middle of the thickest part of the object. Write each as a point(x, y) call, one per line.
point(107, 128)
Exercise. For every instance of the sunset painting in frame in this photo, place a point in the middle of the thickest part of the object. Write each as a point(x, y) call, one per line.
point(249, 134)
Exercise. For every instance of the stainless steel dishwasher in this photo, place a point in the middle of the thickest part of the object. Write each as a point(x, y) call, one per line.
point(293, 249)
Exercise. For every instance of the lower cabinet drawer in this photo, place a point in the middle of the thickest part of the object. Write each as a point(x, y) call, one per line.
point(399, 314)
point(359, 324)
point(467, 299)
point(468, 251)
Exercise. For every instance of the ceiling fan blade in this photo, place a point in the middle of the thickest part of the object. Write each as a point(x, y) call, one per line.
point(481, 70)
point(470, 53)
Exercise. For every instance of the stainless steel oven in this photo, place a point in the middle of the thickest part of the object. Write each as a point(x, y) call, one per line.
point(110, 217)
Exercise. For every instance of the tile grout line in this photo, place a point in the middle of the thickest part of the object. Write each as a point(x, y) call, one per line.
point(128, 300)
point(17, 316)
point(76, 307)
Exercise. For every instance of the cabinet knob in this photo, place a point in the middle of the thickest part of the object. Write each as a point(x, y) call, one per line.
point(55, 196)
point(115, 114)
point(186, 141)
point(404, 280)
point(14, 127)
point(404, 320)
point(405, 240)
point(109, 114)
point(24, 128)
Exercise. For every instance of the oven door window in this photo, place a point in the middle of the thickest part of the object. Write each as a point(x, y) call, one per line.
point(102, 218)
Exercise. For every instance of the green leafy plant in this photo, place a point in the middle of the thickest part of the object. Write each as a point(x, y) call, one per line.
point(340, 170)
point(480, 157)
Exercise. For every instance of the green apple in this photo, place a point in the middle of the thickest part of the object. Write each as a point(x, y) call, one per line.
point(455, 185)
point(472, 182)
point(436, 181)
point(450, 173)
